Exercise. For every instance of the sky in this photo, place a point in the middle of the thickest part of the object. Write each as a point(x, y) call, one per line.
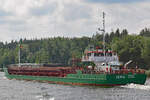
point(34, 19)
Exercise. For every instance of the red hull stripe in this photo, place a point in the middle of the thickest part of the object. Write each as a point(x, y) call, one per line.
point(82, 84)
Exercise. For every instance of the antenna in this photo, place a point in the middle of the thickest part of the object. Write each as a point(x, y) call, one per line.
point(103, 31)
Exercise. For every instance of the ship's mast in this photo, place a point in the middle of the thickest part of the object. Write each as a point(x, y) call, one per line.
point(104, 35)
point(103, 32)
point(19, 55)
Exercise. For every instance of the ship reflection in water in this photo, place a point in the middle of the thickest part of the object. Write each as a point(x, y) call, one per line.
point(31, 90)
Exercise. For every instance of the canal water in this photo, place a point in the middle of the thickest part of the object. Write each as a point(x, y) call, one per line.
point(31, 90)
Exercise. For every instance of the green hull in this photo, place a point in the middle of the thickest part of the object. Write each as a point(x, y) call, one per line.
point(86, 79)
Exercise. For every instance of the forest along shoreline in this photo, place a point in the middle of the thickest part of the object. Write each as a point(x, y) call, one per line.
point(62, 49)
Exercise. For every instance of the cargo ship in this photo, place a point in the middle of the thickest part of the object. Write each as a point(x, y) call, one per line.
point(92, 72)
point(97, 67)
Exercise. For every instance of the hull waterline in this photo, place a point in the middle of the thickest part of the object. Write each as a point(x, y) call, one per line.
point(85, 79)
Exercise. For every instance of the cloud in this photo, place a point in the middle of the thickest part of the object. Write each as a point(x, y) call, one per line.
point(74, 12)
point(48, 18)
point(11, 21)
point(129, 16)
point(115, 1)
point(43, 10)
point(4, 13)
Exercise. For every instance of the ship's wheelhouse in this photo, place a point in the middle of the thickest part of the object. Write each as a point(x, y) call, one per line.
point(99, 56)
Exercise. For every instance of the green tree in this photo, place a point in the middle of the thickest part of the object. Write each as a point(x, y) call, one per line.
point(146, 52)
point(145, 32)
point(129, 48)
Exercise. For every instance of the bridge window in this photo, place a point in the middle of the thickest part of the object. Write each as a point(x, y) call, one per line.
point(89, 54)
point(101, 54)
point(109, 54)
point(98, 54)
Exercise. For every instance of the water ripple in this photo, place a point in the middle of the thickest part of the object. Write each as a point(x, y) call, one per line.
point(31, 90)
point(137, 86)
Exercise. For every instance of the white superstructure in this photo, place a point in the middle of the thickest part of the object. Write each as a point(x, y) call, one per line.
point(104, 60)
point(110, 60)
point(97, 56)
